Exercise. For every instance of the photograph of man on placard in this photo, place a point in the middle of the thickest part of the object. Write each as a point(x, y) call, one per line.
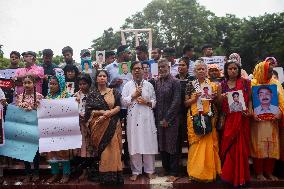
point(206, 92)
point(100, 58)
point(236, 101)
point(124, 71)
point(265, 101)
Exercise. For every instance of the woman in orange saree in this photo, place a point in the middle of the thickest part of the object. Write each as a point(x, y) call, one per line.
point(102, 108)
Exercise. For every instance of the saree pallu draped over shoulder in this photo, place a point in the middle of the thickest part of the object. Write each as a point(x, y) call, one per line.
point(235, 140)
point(203, 159)
point(106, 136)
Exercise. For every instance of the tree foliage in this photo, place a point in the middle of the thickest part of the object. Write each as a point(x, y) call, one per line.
point(178, 22)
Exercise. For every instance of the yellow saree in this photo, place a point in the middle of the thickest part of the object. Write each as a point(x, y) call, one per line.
point(203, 159)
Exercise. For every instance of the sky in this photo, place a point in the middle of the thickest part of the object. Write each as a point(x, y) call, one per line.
point(39, 24)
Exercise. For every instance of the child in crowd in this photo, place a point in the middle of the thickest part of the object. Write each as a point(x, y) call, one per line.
point(71, 73)
point(57, 90)
point(29, 100)
point(86, 152)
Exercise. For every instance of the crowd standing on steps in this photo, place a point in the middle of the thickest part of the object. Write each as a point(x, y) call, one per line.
point(160, 102)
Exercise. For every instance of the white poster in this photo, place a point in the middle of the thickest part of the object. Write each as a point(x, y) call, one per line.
point(70, 87)
point(100, 58)
point(154, 70)
point(58, 123)
point(7, 73)
point(219, 60)
point(279, 70)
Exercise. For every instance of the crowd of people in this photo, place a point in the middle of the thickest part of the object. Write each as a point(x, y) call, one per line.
point(188, 100)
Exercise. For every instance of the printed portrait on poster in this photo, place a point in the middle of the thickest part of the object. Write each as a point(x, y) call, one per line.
point(236, 101)
point(206, 91)
point(265, 101)
point(100, 58)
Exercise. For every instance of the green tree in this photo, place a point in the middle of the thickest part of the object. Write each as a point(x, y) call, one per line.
point(178, 22)
point(108, 41)
point(259, 37)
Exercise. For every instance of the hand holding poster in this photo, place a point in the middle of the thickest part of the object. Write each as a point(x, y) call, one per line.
point(70, 87)
point(21, 134)
point(124, 72)
point(206, 92)
point(59, 125)
point(6, 76)
point(265, 101)
point(236, 101)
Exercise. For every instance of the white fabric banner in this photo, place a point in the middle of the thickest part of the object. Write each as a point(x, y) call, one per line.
point(58, 123)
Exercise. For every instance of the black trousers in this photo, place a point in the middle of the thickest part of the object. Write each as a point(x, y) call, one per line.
point(170, 163)
point(123, 120)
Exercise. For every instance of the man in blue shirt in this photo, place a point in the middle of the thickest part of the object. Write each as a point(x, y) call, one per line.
point(116, 81)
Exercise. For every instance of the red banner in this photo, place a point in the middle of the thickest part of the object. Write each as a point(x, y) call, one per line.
point(6, 83)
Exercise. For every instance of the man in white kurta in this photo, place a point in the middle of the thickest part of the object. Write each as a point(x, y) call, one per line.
point(139, 97)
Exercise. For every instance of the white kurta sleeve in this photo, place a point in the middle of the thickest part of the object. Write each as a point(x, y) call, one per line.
point(152, 96)
point(126, 94)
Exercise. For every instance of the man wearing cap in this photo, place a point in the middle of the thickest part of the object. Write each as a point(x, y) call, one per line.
point(207, 50)
point(30, 68)
point(48, 67)
point(169, 54)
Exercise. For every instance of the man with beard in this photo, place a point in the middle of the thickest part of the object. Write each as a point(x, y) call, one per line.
point(168, 103)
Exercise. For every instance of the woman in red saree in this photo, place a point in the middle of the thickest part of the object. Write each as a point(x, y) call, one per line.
point(235, 140)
